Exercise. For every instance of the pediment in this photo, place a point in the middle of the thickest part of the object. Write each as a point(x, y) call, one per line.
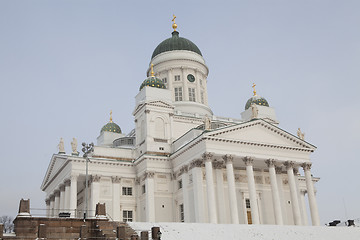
point(55, 165)
point(160, 103)
point(157, 103)
point(260, 132)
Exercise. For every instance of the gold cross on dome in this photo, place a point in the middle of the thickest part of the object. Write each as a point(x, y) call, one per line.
point(111, 116)
point(174, 26)
point(253, 86)
point(152, 70)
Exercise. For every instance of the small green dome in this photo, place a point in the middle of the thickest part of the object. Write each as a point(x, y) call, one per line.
point(175, 43)
point(111, 127)
point(257, 100)
point(152, 82)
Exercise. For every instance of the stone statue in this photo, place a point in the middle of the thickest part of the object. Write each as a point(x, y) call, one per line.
point(74, 147)
point(207, 123)
point(255, 110)
point(61, 146)
point(300, 134)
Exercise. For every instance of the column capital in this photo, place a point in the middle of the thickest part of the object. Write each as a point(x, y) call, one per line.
point(207, 156)
point(289, 165)
point(218, 164)
point(95, 178)
point(47, 201)
point(228, 158)
point(248, 161)
point(196, 163)
point(296, 170)
point(303, 191)
point(67, 182)
point(57, 193)
point(52, 197)
point(270, 162)
point(278, 169)
point(62, 187)
point(73, 177)
point(149, 175)
point(184, 169)
point(115, 179)
point(137, 180)
point(306, 166)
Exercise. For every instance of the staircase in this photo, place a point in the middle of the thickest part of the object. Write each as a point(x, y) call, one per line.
point(106, 230)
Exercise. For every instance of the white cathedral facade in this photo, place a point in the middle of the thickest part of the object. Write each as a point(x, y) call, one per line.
point(182, 163)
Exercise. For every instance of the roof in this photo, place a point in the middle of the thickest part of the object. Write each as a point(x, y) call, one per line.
point(175, 43)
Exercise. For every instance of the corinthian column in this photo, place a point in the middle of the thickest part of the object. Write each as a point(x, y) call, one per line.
point(210, 187)
point(73, 196)
point(293, 192)
point(220, 193)
point(197, 173)
point(275, 191)
point(311, 195)
point(252, 191)
point(95, 194)
point(231, 187)
point(185, 183)
point(116, 198)
point(56, 203)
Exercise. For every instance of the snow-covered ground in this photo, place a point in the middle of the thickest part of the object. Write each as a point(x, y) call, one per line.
point(189, 231)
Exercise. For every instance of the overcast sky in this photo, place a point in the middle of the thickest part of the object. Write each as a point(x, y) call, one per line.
point(65, 64)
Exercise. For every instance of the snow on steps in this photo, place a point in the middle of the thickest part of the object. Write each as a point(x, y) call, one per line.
point(182, 231)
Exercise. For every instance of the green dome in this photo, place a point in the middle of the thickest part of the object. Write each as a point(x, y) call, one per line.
point(257, 100)
point(175, 43)
point(111, 127)
point(152, 82)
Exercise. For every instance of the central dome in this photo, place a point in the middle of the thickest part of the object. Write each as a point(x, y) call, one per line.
point(175, 43)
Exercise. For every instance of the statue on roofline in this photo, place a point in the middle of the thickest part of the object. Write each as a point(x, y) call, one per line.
point(61, 146)
point(300, 134)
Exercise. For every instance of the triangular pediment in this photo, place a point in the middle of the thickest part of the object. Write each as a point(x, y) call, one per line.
point(157, 103)
point(260, 132)
point(55, 165)
point(160, 103)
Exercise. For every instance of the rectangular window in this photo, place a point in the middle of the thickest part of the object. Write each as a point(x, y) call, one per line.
point(180, 184)
point(181, 208)
point(127, 191)
point(178, 94)
point(202, 97)
point(143, 189)
point(164, 80)
point(127, 216)
point(192, 94)
point(247, 202)
point(177, 78)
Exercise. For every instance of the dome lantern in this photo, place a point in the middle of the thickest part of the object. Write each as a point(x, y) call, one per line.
point(111, 126)
point(258, 100)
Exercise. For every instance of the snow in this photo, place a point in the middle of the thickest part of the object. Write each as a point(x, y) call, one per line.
point(181, 231)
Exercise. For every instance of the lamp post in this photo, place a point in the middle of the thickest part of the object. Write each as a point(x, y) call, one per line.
point(87, 150)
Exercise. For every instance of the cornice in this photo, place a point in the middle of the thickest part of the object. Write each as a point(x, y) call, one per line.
point(267, 125)
point(268, 145)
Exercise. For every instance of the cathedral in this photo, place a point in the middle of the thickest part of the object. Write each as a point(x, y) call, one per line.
point(181, 162)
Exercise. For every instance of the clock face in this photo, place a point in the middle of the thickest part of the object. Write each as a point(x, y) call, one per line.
point(191, 78)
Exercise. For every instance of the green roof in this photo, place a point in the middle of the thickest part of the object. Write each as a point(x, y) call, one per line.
point(175, 43)
point(257, 100)
point(111, 127)
point(152, 82)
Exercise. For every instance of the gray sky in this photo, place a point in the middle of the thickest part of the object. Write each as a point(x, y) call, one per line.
point(65, 64)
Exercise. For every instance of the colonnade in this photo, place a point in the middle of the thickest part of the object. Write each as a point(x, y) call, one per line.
point(274, 167)
point(63, 199)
